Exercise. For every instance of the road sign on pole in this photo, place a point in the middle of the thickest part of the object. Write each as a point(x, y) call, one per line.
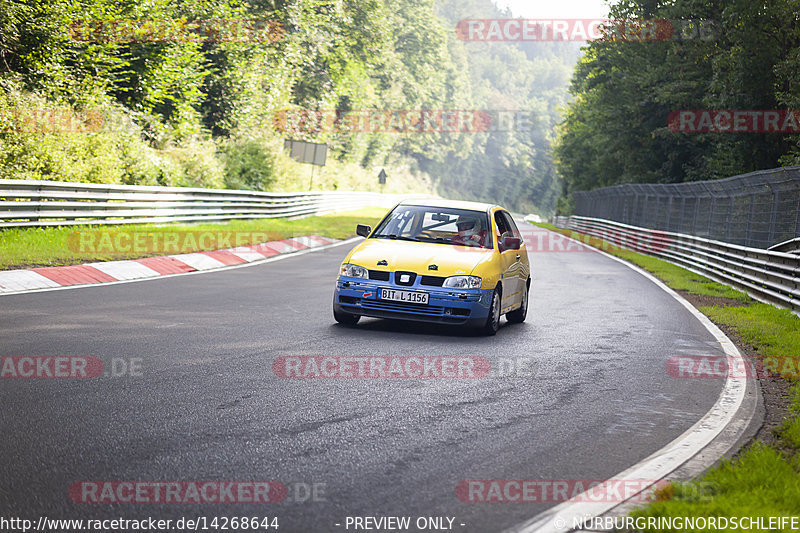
point(315, 154)
point(305, 152)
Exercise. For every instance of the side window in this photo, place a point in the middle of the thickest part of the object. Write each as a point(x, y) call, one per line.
point(511, 224)
point(502, 227)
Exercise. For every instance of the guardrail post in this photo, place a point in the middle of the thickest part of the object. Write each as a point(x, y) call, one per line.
point(773, 217)
point(624, 215)
point(797, 219)
point(750, 220)
point(728, 220)
point(669, 213)
point(38, 207)
point(711, 216)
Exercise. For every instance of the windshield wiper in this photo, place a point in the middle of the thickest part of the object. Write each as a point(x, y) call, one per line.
point(397, 237)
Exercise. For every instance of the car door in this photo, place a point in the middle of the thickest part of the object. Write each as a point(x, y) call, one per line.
point(521, 267)
point(508, 264)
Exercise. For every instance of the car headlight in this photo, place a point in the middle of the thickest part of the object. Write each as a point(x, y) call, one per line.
point(462, 282)
point(353, 271)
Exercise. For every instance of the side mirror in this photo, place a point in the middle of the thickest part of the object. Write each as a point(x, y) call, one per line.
point(510, 242)
point(363, 230)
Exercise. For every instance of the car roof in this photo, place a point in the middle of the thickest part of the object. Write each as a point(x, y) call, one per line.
point(454, 204)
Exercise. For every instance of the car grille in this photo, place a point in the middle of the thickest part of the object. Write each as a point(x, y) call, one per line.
point(433, 281)
point(379, 275)
point(386, 305)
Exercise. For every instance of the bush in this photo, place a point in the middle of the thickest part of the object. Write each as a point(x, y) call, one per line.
point(250, 164)
point(106, 143)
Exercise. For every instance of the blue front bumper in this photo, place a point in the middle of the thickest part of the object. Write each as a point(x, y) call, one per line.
point(359, 296)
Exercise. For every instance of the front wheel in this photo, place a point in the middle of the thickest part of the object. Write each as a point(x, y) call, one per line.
point(517, 316)
point(345, 318)
point(493, 320)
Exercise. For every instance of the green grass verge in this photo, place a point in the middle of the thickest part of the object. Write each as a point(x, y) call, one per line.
point(69, 245)
point(764, 479)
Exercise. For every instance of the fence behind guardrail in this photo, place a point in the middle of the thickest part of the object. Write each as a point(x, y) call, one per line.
point(758, 210)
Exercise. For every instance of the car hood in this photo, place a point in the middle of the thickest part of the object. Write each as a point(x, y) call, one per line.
point(417, 256)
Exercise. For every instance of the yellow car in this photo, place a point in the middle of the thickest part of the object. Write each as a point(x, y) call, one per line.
point(438, 261)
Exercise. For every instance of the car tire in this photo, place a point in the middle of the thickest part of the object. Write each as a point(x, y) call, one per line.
point(493, 320)
point(345, 318)
point(517, 316)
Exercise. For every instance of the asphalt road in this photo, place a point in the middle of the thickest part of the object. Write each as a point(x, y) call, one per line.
point(208, 406)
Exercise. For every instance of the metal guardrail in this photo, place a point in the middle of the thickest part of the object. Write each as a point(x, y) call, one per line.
point(53, 203)
point(791, 246)
point(767, 275)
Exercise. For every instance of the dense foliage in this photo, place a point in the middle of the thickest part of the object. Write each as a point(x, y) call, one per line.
point(728, 54)
point(186, 104)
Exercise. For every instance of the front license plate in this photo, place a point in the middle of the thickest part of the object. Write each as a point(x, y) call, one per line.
point(404, 296)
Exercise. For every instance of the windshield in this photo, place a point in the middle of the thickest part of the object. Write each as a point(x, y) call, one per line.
point(460, 227)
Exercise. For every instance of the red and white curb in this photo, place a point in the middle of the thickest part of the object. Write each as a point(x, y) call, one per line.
point(14, 281)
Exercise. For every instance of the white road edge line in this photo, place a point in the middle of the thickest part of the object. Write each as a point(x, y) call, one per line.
point(571, 515)
point(229, 267)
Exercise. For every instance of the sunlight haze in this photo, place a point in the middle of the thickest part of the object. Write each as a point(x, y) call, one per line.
point(577, 9)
